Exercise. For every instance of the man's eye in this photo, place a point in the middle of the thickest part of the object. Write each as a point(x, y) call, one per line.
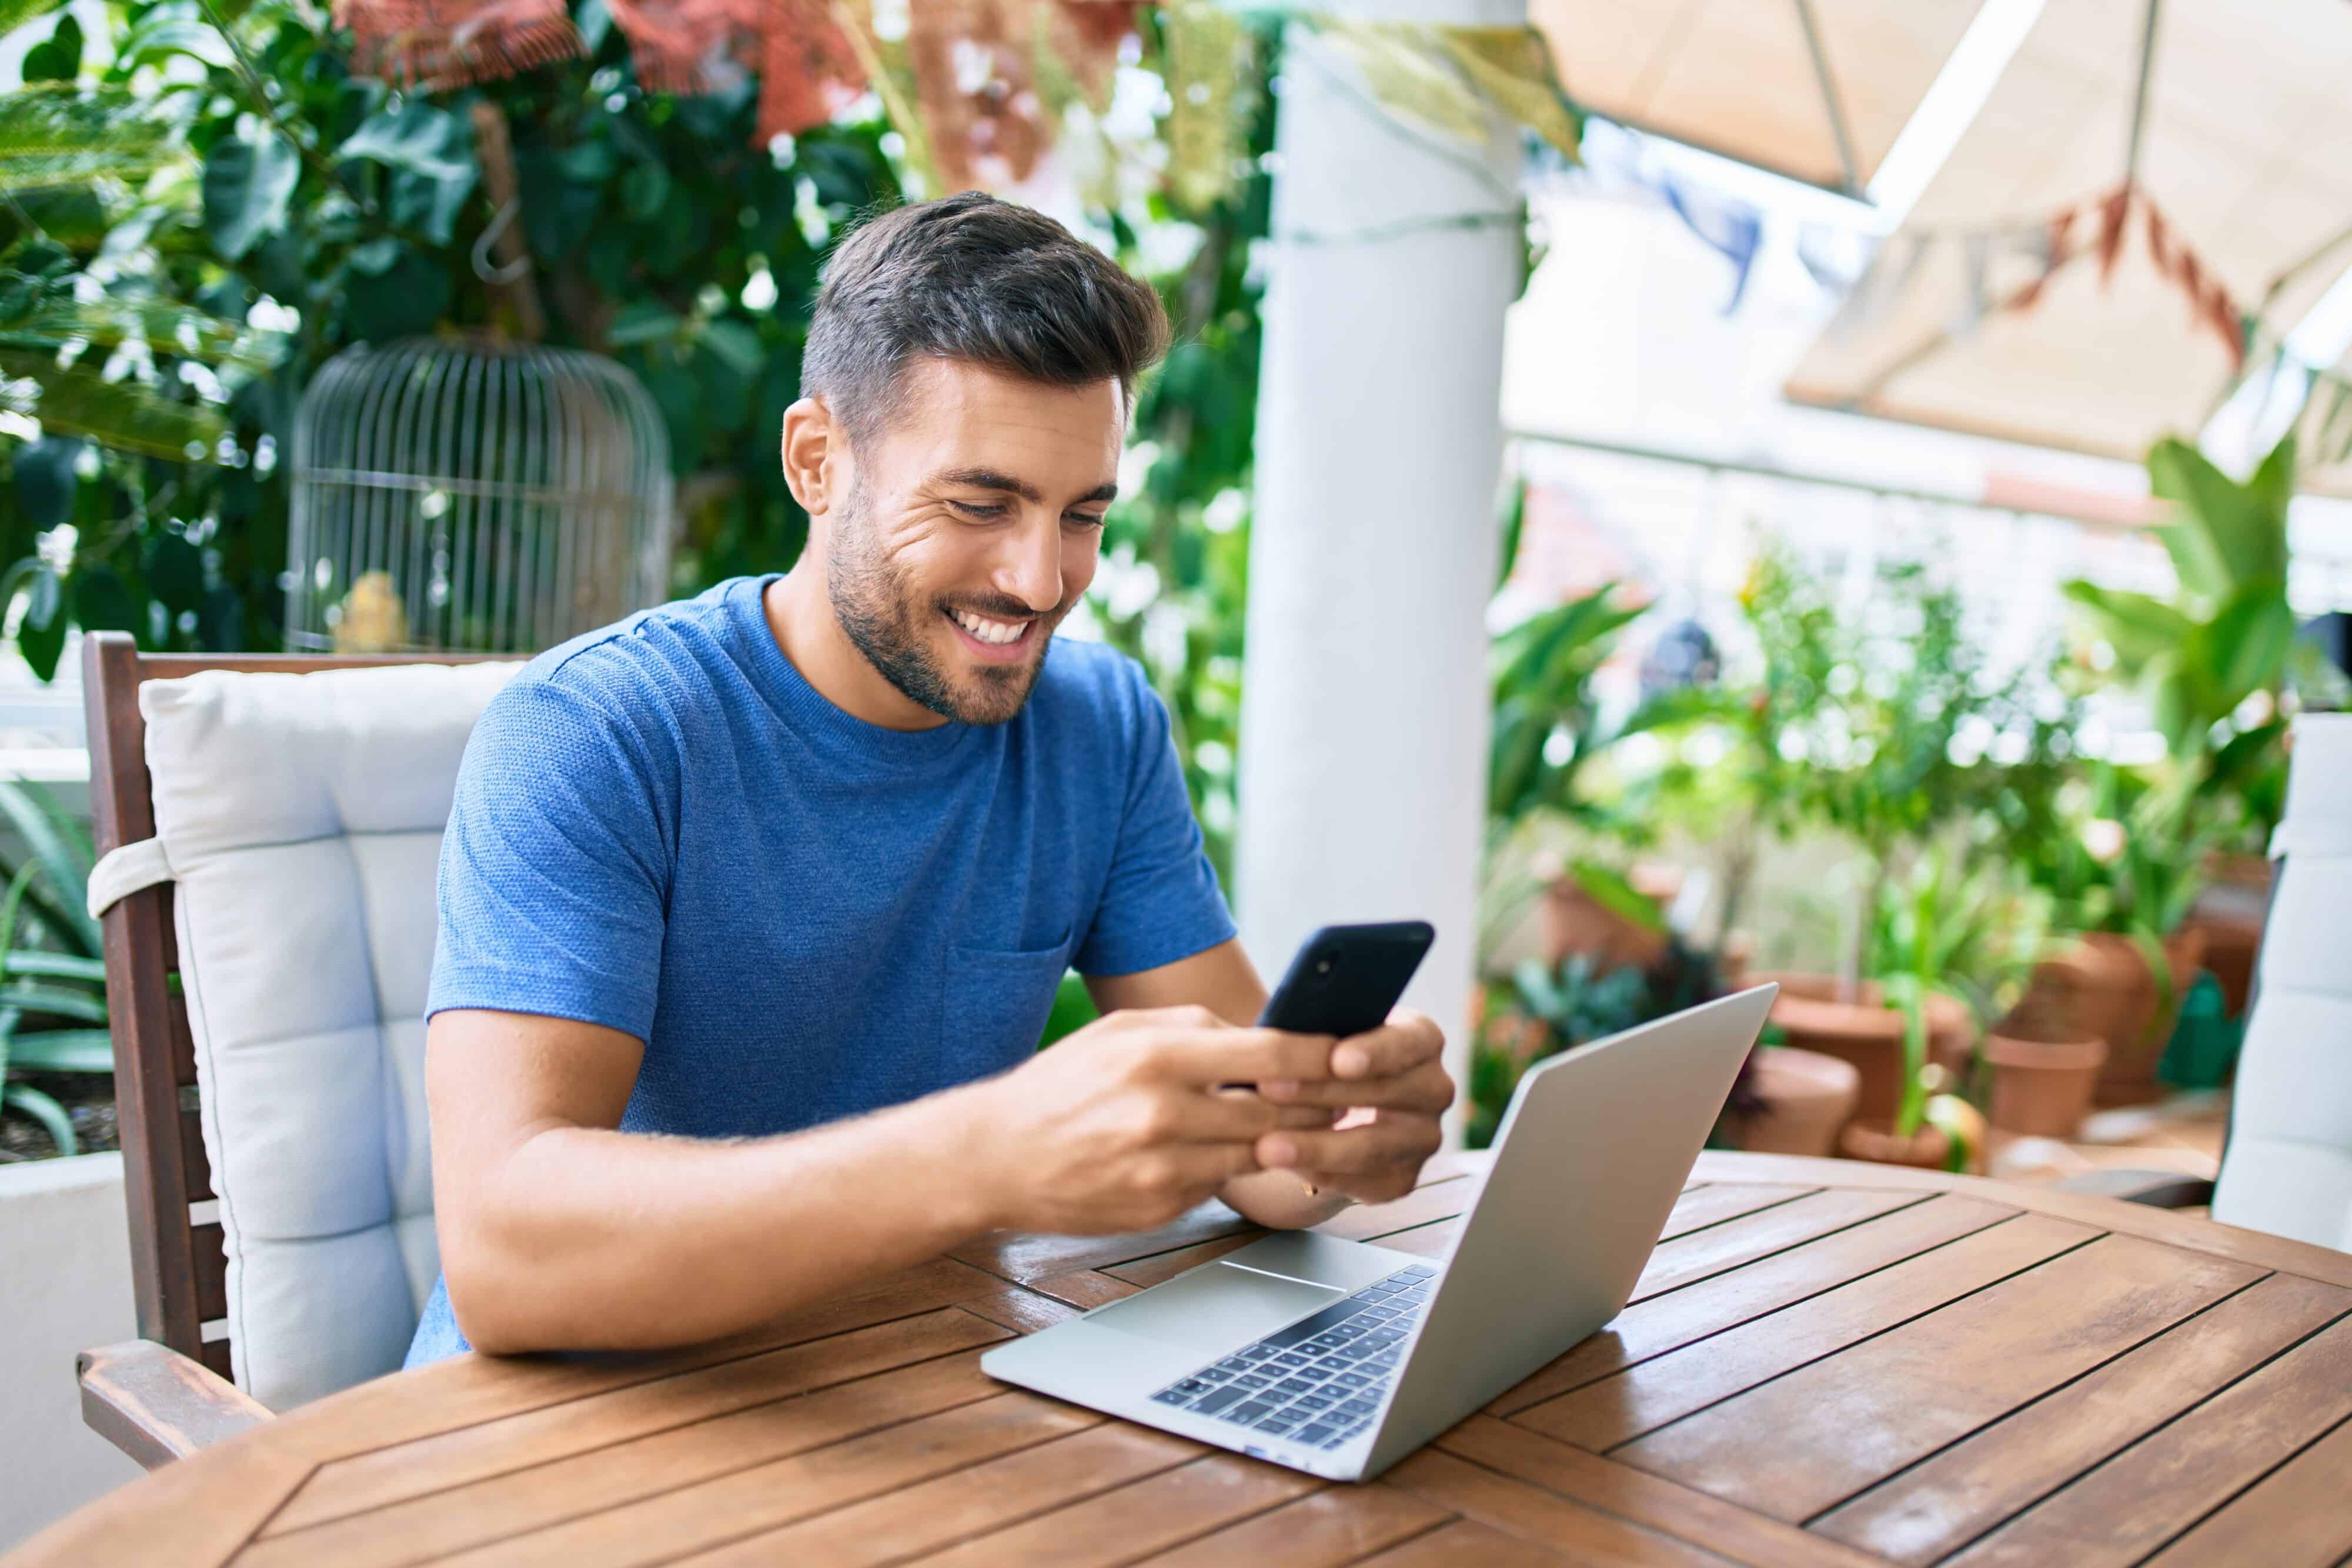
point(1082, 519)
point(974, 509)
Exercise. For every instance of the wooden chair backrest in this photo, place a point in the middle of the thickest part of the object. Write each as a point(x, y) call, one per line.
point(178, 1269)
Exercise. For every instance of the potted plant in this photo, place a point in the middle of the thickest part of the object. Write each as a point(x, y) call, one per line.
point(2124, 875)
point(1877, 724)
point(2221, 670)
point(52, 974)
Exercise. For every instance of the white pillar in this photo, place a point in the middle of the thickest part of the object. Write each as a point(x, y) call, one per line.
point(1373, 545)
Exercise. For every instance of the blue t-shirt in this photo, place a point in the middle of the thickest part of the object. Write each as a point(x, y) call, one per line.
point(662, 828)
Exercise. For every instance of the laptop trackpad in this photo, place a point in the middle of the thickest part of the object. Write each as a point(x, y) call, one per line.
point(1217, 1308)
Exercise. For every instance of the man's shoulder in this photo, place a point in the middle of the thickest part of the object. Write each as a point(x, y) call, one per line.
point(655, 660)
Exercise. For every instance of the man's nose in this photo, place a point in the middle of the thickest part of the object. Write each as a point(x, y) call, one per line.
point(1030, 569)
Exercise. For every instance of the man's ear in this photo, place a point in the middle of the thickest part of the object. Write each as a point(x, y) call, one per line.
point(814, 450)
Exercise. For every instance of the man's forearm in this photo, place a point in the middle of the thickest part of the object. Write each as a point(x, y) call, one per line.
point(589, 1238)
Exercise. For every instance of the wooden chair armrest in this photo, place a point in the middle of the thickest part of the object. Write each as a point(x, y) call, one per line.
point(2158, 1189)
point(156, 1405)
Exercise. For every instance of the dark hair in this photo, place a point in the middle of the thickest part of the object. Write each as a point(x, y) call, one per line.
point(974, 278)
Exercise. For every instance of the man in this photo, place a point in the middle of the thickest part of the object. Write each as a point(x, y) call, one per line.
point(752, 906)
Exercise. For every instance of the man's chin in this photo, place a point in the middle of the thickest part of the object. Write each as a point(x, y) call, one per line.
point(995, 693)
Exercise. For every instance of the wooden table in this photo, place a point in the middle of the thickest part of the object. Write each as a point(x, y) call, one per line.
point(1826, 1363)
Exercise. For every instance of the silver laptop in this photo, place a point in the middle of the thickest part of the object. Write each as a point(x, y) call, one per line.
point(1340, 1358)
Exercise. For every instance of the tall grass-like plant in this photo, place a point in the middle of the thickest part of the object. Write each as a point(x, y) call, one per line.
point(52, 968)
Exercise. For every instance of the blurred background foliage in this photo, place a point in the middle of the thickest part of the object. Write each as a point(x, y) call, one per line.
point(199, 210)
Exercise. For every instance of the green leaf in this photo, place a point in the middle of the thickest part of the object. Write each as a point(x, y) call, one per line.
point(45, 481)
point(63, 853)
point(2249, 640)
point(64, 1050)
point(57, 58)
point(54, 966)
point(103, 602)
point(175, 573)
point(165, 326)
point(15, 14)
point(1515, 521)
point(57, 136)
point(42, 646)
point(644, 321)
point(418, 137)
point(2228, 534)
point(1609, 889)
point(55, 1000)
point(247, 188)
point(407, 297)
point(47, 1112)
point(121, 415)
point(2138, 627)
point(734, 344)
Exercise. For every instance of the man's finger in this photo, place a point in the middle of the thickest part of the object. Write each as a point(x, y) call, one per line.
point(1389, 1141)
point(1426, 1089)
point(1403, 1043)
point(1208, 1057)
point(1237, 1117)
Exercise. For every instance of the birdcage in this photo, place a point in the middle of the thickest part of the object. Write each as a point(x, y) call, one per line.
point(472, 493)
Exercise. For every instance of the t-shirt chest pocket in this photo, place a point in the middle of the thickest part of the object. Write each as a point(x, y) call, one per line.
point(995, 1002)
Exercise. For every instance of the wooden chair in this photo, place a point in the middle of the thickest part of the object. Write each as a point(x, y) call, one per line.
point(167, 1393)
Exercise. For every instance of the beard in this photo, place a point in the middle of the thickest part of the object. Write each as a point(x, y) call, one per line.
point(894, 627)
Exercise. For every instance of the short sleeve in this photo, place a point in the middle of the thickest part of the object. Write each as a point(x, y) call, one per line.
point(554, 877)
point(1160, 902)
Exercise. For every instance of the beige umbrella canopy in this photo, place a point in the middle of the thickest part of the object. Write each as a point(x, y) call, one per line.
point(1816, 89)
point(2239, 162)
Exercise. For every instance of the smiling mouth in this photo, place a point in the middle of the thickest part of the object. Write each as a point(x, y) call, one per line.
point(994, 635)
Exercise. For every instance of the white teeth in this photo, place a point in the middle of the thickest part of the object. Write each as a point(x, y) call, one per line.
point(996, 631)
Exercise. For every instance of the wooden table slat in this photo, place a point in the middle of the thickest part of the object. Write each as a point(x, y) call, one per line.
point(2296, 1517)
point(1682, 1317)
point(1325, 1529)
point(1824, 1364)
point(548, 1494)
point(1689, 1256)
point(1938, 1507)
point(972, 1502)
point(1143, 1517)
point(1585, 1534)
point(1644, 1499)
point(429, 1464)
point(2169, 1480)
point(1840, 1424)
point(1465, 1542)
point(1623, 1406)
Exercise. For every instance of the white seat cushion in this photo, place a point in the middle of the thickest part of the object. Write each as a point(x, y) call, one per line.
point(301, 818)
point(2288, 1168)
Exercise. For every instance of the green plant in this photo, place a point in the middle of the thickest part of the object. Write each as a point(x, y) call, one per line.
point(51, 965)
point(2217, 662)
point(1540, 1011)
point(1968, 933)
point(1883, 724)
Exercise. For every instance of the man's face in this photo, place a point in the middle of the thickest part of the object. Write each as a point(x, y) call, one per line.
point(970, 527)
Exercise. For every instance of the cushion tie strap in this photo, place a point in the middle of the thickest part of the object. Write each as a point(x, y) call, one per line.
point(125, 870)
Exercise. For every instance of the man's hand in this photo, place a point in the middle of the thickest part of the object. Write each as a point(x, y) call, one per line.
point(1123, 1126)
point(1393, 1073)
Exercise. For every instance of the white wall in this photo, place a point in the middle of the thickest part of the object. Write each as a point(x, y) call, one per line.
point(65, 1286)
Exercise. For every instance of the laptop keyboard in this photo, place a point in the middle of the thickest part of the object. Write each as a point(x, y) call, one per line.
point(1319, 1381)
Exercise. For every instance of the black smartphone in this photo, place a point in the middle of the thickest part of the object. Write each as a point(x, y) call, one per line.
point(1347, 978)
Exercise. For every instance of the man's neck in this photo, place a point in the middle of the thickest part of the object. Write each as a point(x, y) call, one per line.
point(801, 618)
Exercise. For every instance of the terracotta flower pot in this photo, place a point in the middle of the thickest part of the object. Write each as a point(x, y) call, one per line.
point(2142, 1019)
point(1804, 1099)
point(2041, 1088)
point(1575, 922)
point(1927, 1149)
point(1865, 1032)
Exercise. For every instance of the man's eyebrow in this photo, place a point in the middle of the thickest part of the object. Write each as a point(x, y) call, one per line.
point(991, 479)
